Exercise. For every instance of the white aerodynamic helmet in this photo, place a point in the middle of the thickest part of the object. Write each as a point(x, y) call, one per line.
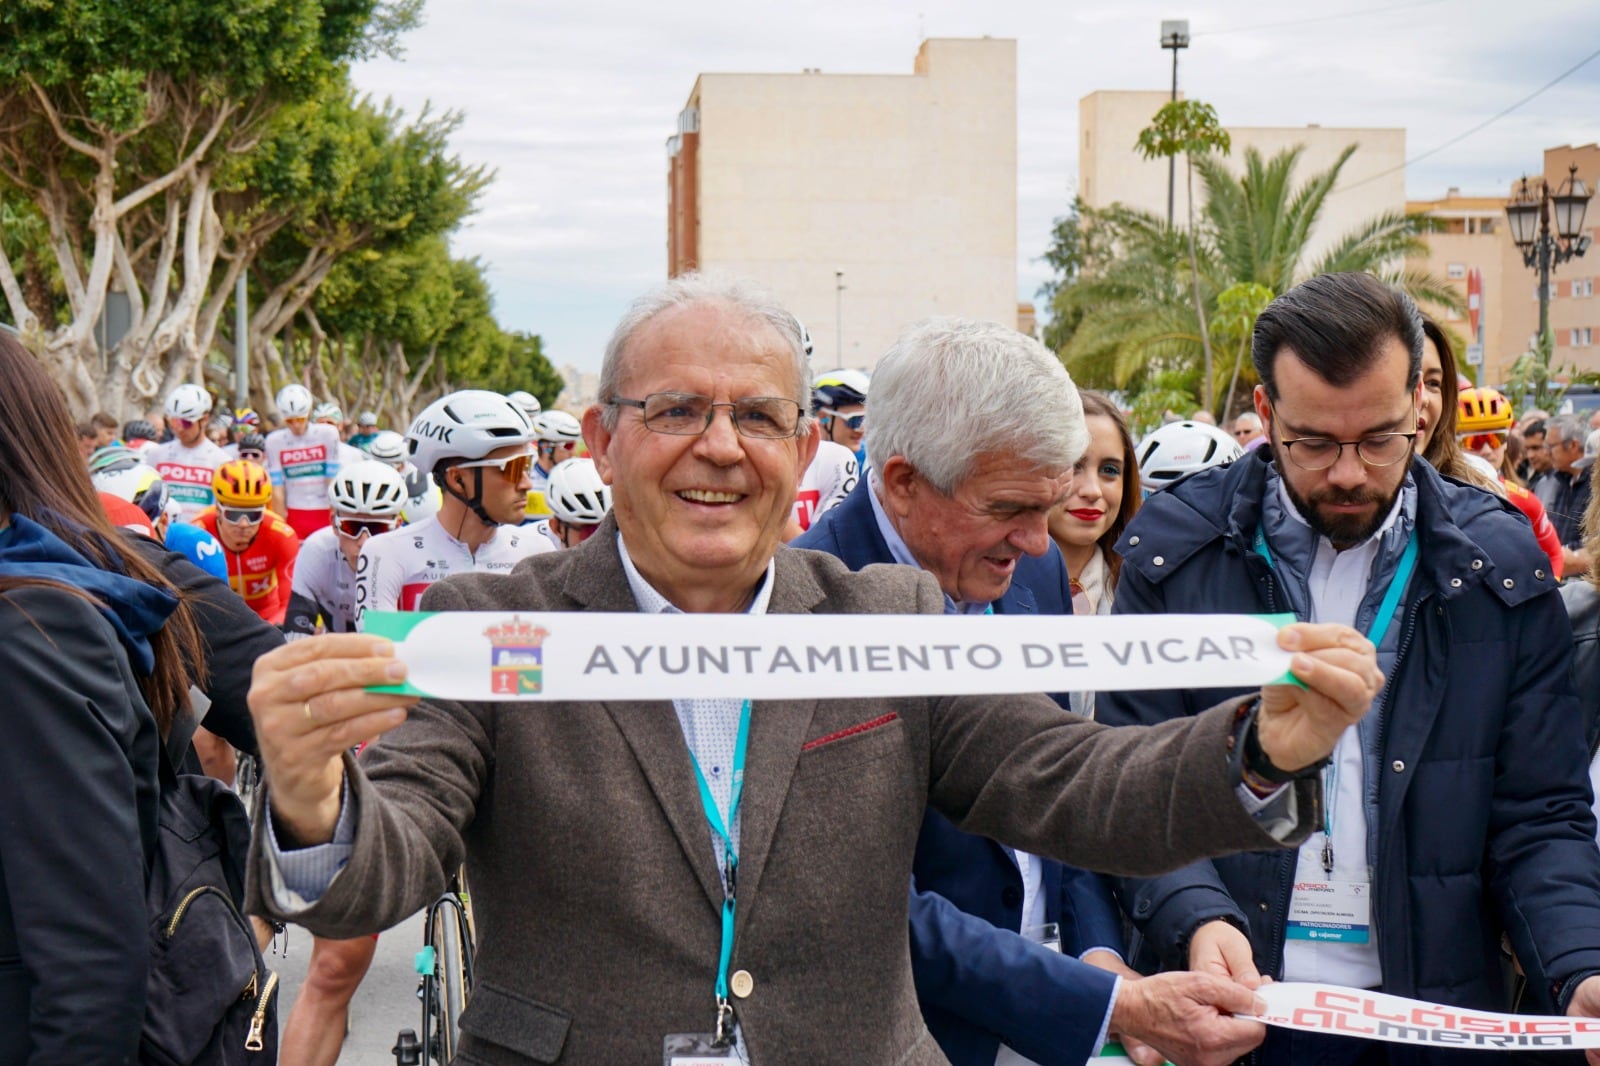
point(466, 425)
point(1178, 449)
point(189, 402)
point(294, 401)
point(556, 426)
point(576, 494)
point(389, 447)
point(369, 487)
point(527, 401)
point(327, 412)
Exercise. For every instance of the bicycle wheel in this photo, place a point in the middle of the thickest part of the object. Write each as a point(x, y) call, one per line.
point(445, 931)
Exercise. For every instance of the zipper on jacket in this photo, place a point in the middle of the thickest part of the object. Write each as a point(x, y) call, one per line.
point(258, 1020)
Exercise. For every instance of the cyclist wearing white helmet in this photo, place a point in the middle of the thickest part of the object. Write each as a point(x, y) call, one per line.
point(422, 495)
point(839, 400)
point(558, 434)
point(824, 485)
point(527, 401)
point(367, 499)
point(476, 446)
point(578, 500)
point(1178, 449)
point(302, 458)
point(188, 461)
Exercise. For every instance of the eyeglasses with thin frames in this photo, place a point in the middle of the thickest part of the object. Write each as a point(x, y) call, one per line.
point(687, 414)
point(1377, 450)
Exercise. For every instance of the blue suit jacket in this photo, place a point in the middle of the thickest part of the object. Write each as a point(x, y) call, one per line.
point(978, 982)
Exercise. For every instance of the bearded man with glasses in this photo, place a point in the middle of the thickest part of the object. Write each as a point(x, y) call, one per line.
point(1459, 806)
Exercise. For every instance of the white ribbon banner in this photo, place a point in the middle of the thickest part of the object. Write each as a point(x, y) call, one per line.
point(536, 655)
point(1317, 1008)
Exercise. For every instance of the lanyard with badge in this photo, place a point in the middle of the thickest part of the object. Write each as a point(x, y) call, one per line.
point(1325, 910)
point(711, 1049)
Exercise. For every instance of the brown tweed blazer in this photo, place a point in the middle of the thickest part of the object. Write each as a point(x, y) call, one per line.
point(594, 883)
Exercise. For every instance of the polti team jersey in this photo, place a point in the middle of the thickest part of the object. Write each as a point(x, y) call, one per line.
point(397, 567)
point(324, 587)
point(302, 466)
point(187, 472)
point(826, 482)
point(263, 573)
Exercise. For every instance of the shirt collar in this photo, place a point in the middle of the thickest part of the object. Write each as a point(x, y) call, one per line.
point(902, 554)
point(652, 602)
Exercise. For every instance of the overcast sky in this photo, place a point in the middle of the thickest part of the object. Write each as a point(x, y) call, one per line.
point(571, 104)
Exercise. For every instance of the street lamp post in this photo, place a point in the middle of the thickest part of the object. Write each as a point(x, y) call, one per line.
point(1528, 214)
point(1174, 35)
point(838, 319)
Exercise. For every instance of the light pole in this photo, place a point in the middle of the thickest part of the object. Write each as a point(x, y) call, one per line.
point(1174, 35)
point(1528, 214)
point(838, 320)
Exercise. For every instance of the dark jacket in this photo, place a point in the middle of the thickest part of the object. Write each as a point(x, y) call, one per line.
point(1484, 817)
point(78, 800)
point(1583, 611)
point(978, 982)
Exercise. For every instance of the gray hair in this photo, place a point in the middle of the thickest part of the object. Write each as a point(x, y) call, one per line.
point(952, 389)
point(1567, 427)
point(1249, 418)
point(742, 297)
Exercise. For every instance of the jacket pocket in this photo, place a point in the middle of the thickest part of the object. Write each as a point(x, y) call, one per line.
point(847, 748)
point(501, 1017)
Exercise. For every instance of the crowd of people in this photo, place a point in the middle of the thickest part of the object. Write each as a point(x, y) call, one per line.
point(968, 879)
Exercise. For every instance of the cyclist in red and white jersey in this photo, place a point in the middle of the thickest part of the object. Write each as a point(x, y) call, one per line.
point(824, 485)
point(258, 547)
point(367, 498)
point(188, 461)
point(476, 445)
point(302, 458)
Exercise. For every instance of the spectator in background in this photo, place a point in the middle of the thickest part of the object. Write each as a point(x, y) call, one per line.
point(88, 439)
point(105, 428)
point(1205, 416)
point(1536, 455)
point(1564, 488)
point(1247, 429)
point(1439, 413)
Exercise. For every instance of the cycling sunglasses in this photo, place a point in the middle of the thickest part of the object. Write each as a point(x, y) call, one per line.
point(853, 421)
point(242, 516)
point(1478, 441)
point(183, 423)
point(252, 456)
point(513, 468)
point(354, 527)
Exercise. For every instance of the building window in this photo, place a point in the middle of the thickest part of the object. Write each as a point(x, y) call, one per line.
point(1582, 337)
point(1583, 286)
point(1455, 271)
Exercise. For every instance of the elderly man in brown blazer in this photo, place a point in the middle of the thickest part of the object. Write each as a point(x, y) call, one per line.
point(599, 885)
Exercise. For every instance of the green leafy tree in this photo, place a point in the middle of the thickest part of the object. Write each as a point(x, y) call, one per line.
point(1188, 128)
point(120, 126)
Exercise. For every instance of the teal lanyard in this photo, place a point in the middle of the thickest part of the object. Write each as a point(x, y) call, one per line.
point(731, 857)
point(1375, 633)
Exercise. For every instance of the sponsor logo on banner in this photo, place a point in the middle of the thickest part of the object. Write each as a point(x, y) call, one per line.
point(516, 657)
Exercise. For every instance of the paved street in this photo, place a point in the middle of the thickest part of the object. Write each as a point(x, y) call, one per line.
point(386, 1002)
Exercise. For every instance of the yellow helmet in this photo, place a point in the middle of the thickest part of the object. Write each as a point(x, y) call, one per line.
point(241, 483)
point(1482, 411)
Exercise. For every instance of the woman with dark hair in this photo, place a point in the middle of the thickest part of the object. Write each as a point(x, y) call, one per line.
point(1436, 424)
point(1101, 502)
point(98, 654)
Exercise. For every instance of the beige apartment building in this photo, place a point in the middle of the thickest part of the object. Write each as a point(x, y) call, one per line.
point(1110, 169)
point(865, 201)
point(1474, 234)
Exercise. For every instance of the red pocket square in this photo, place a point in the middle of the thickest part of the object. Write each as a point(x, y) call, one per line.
point(859, 727)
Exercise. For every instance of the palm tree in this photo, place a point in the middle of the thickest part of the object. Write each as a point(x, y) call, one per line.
point(1137, 291)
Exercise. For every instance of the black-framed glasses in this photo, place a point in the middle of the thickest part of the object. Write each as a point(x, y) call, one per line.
point(688, 414)
point(1320, 453)
point(855, 421)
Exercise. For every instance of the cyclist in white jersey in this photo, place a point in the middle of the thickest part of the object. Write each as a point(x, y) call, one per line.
point(301, 459)
point(367, 498)
point(476, 445)
point(188, 461)
point(557, 435)
point(422, 495)
point(824, 485)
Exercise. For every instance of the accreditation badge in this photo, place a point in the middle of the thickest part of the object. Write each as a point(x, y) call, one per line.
point(695, 1049)
point(1328, 911)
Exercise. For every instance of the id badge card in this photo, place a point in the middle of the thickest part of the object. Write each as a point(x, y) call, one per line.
point(1047, 935)
point(1328, 911)
point(695, 1049)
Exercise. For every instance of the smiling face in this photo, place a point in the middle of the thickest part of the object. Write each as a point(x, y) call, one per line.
point(1432, 408)
point(1349, 500)
point(1096, 493)
point(701, 515)
point(971, 539)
